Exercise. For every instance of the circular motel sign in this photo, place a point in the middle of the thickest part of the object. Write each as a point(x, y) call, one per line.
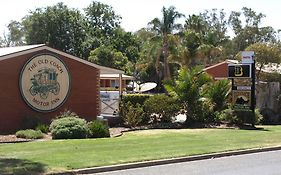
point(44, 82)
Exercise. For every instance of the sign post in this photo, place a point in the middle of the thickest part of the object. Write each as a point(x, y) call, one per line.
point(243, 78)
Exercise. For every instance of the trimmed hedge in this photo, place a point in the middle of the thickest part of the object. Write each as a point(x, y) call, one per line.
point(135, 99)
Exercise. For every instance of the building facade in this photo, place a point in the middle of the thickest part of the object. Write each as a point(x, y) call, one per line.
point(42, 82)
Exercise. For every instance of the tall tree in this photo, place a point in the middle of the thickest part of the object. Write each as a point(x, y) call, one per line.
point(57, 26)
point(265, 53)
point(102, 25)
point(110, 57)
point(16, 34)
point(167, 25)
point(149, 65)
point(125, 42)
point(250, 32)
point(205, 36)
point(102, 18)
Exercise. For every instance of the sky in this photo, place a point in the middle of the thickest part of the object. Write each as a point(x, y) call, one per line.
point(137, 13)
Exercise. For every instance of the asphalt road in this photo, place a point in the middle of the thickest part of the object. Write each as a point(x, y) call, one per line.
point(265, 163)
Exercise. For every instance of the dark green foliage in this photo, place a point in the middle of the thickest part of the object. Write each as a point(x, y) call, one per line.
point(98, 129)
point(101, 18)
point(245, 117)
point(161, 108)
point(131, 109)
point(187, 88)
point(132, 115)
point(29, 134)
point(218, 93)
point(226, 116)
point(69, 128)
point(135, 98)
point(58, 26)
point(239, 117)
point(43, 128)
point(110, 57)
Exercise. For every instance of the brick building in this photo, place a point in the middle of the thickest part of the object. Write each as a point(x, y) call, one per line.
point(39, 81)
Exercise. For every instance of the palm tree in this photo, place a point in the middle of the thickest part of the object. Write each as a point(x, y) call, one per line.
point(164, 27)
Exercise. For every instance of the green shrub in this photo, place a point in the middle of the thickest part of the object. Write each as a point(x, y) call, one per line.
point(239, 117)
point(187, 88)
point(132, 115)
point(29, 134)
point(43, 128)
point(161, 108)
point(97, 129)
point(135, 98)
point(69, 128)
point(218, 93)
point(226, 116)
point(245, 116)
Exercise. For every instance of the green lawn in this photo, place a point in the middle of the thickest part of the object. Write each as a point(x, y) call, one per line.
point(60, 155)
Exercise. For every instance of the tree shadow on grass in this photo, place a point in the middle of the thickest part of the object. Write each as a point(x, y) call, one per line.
point(10, 166)
point(249, 127)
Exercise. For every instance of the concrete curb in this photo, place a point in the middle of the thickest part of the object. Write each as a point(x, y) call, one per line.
point(166, 161)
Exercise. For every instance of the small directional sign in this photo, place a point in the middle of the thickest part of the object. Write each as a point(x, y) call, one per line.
point(239, 70)
point(241, 88)
point(247, 57)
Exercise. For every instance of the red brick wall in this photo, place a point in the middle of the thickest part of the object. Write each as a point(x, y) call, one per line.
point(83, 97)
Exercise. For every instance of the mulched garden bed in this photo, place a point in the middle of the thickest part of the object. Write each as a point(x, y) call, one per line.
point(11, 138)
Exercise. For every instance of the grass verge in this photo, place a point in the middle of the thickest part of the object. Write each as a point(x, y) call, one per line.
point(61, 155)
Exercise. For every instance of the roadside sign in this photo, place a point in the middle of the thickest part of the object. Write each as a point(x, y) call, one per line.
point(239, 71)
point(242, 99)
point(243, 82)
point(247, 57)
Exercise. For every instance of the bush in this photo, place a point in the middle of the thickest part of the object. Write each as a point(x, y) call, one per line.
point(187, 88)
point(69, 128)
point(135, 98)
point(245, 116)
point(218, 93)
point(97, 129)
point(29, 134)
point(239, 117)
point(161, 108)
point(132, 115)
point(226, 116)
point(43, 128)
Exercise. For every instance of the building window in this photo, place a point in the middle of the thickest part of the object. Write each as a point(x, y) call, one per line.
point(114, 83)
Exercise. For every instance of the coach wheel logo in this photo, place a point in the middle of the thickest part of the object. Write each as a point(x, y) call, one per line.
point(44, 82)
